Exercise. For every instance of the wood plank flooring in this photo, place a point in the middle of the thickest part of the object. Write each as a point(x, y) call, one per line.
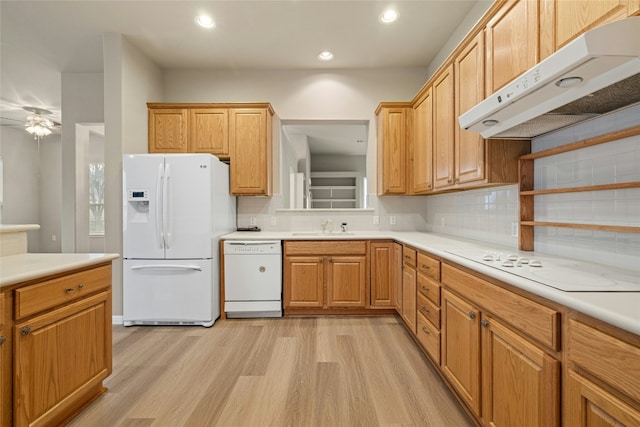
point(300, 371)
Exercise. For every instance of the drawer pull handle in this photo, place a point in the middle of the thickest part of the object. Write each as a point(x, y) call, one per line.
point(425, 330)
point(407, 257)
point(2, 339)
point(68, 290)
point(26, 330)
point(484, 323)
point(330, 259)
point(472, 315)
point(424, 288)
point(424, 310)
point(426, 266)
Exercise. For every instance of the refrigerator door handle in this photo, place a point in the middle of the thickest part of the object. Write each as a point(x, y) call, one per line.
point(159, 225)
point(167, 267)
point(166, 206)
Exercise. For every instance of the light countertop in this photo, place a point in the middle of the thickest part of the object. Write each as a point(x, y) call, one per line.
point(16, 228)
point(621, 309)
point(20, 268)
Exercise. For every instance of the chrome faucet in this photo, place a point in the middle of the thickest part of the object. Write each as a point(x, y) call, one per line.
point(326, 224)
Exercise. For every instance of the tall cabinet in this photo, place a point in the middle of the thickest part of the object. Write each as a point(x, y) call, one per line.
point(393, 121)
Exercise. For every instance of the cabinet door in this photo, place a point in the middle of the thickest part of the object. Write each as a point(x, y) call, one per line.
point(469, 77)
point(58, 357)
point(409, 297)
point(209, 131)
point(382, 274)
point(443, 128)
point(168, 129)
point(512, 42)
point(392, 154)
point(520, 383)
point(250, 145)
point(563, 21)
point(397, 277)
point(346, 280)
point(303, 281)
point(591, 406)
point(461, 348)
point(5, 369)
point(422, 167)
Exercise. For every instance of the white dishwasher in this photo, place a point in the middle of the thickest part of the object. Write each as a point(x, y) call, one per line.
point(253, 278)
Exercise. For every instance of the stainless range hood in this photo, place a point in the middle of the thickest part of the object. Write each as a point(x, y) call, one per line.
point(596, 73)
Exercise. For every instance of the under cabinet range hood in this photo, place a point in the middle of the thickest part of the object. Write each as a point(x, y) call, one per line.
point(596, 73)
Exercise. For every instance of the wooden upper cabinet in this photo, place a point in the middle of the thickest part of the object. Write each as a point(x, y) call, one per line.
point(422, 165)
point(209, 131)
point(443, 128)
point(562, 21)
point(469, 89)
point(168, 130)
point(251, 151)
point(512, 42)
point(393, 121)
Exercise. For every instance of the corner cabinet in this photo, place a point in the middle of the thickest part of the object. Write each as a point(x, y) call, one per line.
point(393, 124)
point(61, 344)
point(250, 132)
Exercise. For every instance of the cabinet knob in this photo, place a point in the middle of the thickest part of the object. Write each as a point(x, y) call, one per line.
point(484, 323)
point(321, 260)
point(330, 259)
point(424, 288)
point(449, 181)
point(425, 330)
point(68, 290)
point(2, 339)
point(81, 285)
point(26, 330)
point(472, 315)
point(424, 309)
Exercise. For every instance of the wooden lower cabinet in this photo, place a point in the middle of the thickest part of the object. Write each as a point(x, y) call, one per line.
point(409, 297)
point(520, 382)
point(325, 274)
point(461, 348)
point(59, 357)
point(5, 371)
point(397, 277)
point(588, 405)
point(383, 272)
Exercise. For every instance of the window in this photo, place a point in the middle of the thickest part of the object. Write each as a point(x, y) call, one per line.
point(96, 199)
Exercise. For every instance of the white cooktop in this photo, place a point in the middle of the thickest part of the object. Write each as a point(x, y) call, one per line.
point(560, 273)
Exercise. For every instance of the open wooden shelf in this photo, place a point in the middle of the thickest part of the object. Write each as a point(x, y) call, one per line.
point(527, 192)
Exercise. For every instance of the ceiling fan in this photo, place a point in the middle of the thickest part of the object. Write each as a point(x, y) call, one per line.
point(37, 122)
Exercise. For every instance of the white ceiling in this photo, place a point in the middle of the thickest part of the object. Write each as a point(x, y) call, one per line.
point(42, 39)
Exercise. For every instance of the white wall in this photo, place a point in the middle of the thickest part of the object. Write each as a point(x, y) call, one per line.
point(21, 180)
point(338, 163)
point(82, 102)
point(50, 215)
point(131, 80)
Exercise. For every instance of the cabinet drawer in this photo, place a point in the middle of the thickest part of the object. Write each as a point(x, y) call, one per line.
point(429, 338)
point(409, 256)
point(319, 247)
point(429, 288)
point(536, 320)
point(45, 295)
point(614, 361)
point(429, 266)
point(429, 310)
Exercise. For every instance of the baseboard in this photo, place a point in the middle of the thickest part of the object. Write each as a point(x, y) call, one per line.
point(116, 320)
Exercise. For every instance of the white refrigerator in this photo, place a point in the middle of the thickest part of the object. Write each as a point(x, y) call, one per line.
point(175, 208)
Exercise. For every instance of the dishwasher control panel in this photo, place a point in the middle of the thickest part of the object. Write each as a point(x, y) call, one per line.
point(252, 247)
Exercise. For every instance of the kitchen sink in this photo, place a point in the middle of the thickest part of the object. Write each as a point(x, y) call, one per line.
point(321, 234)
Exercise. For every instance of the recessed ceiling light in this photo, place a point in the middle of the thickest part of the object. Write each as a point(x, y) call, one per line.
point(205, 21)
point(388, 16)
point(325, 55)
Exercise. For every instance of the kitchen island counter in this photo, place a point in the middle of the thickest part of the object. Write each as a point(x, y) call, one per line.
point(621, 309)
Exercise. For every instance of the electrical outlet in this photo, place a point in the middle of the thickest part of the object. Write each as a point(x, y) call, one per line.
point(376, 220)
point(274, 220)
point(514, 229)
point(252, 221)
point(53, 237)
point(392, 220)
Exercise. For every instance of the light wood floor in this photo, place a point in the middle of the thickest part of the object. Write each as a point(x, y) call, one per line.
point(325, 371)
